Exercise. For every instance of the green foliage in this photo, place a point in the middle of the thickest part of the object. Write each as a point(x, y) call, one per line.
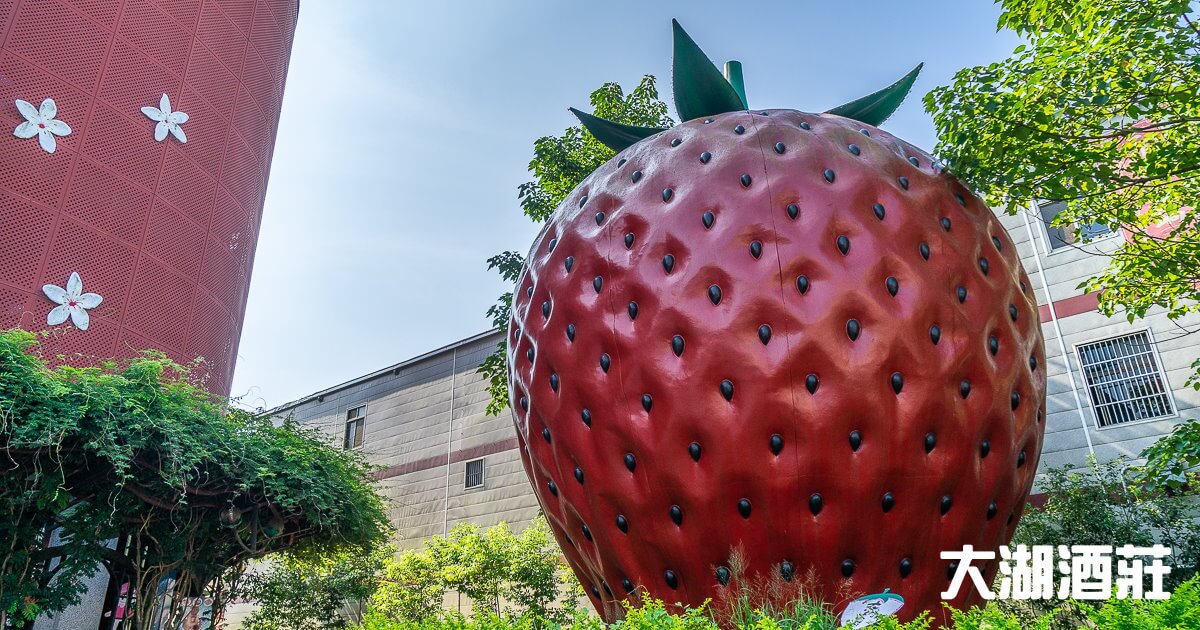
point(1172, 462)
point(1101, 109)
point(1181, 611)
point(134, 451)
point(297, 594)
point(490, 566)
point(559, 163)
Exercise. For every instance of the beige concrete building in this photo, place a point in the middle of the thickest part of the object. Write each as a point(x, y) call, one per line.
point(444, 460)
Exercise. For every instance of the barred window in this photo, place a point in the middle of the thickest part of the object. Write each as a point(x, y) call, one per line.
point(474, 474)
point(356, 423)
point(1125, 380)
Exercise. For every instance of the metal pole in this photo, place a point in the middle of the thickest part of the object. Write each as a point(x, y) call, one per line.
point(449, 444)
point(1062, 345)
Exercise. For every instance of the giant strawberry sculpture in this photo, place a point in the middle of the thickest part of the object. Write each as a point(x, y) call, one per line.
point(788, 333)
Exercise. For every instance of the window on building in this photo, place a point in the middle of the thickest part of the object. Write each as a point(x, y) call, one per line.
point(1063, 235)
point(1125, 380)
point(356, 423)
point(474, 474)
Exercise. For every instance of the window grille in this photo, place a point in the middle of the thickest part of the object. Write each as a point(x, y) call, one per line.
point(1125, 380)
point(474, 474)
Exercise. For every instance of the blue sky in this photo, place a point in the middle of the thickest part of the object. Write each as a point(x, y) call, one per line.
point(407, 127)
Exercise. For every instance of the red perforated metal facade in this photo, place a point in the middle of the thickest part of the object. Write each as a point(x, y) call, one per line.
point(163, 230)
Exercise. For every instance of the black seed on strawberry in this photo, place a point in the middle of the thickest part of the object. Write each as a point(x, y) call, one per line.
point(524, 404)
point(636, 176)
point(546, 308)
point(672, 581)
point(964, 388)
point(669, 263)
point(633, 310)
point(569, 262)
point(935, 333)
point(805, 126)
point(705, 157)
point(1032, 362)
point(947, 502)
point(1012, 312)
point(546, 434)
point(756, 249)
point(667, 193)
point(815, 503)
point(924, 248)
point(676, 515)
point(587, 533)
point(780, 147)
point(571, 332)
point(951, 569)
point(622, 523)
point(793, 210)
point(905, 567)
point(621, 162)
point(677, 345)
point(787, 571)
point(996, 242)
point(843, 244)
point(852, 329)
point(985, 447)
point(993, 345)
point(991, 510)
point(605, 362)
point(983, 265)
point(579, 474)
point(930, 442)
point(855, 440)
point(739, 130)
point(893, 285)
point(897, 382)
point(1015, 400)
point(903, 182)
point(727, 389)
point(586, 416)
point(550, 485)
point(854, 149)
point(707, 218)
point(811, 383)
point(829, 175)
point(647, 402)
point(802, 284)
point(959, 198)
point(764, 334)
point(746, 180)
point(743, 507)
point(529, 354)
point(630, 461)
point(597, 283)
point(864, 132)
point(962, 294)
point(694, 451)
point(946, 223)
point(722, 575)
point(529, 291)
point(1021, 459)
point(607, 591)
point(847, 568)
point(676, 142)
point(879, 211)
point(553, 242)
point(714, 294)
point(912, 160)
point(595, 592)
point(776, 443)
point(627, 585)
point(888, 502)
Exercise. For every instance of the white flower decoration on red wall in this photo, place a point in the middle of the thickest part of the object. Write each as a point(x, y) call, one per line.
point(72, 302)
point(168, 121)
point(40, 122)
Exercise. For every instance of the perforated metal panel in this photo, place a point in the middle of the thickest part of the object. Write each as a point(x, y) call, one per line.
point(164, 231)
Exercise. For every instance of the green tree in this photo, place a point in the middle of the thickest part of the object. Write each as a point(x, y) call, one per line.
point(1100, 109)
point(321, 593)
point(559, 163)
point(491, 566)
point(190, 489)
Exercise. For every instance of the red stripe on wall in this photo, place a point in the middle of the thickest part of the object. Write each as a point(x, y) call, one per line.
point(1085, 303)
point(438, 461)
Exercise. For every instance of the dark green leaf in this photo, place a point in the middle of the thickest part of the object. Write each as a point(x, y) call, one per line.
point(875, 108)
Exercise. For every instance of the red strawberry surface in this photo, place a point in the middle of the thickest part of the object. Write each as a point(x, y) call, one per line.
point(782, 332)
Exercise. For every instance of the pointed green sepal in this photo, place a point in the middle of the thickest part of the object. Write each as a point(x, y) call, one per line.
point(873, 109)
point(614, 135)
point(700, 88)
